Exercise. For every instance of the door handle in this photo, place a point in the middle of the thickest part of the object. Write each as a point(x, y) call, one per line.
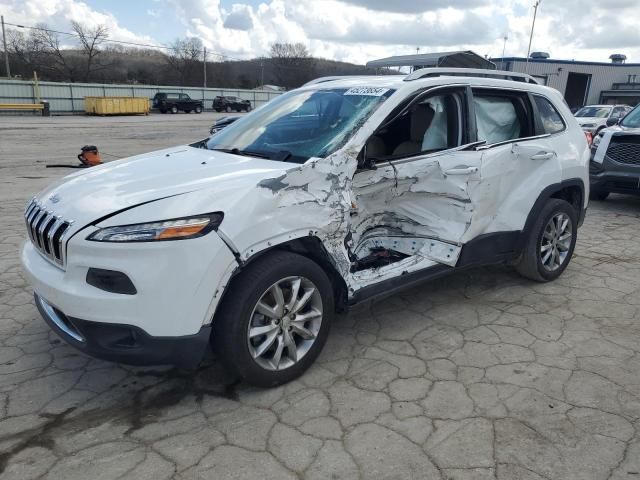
point(543, 156)
point(461, 171)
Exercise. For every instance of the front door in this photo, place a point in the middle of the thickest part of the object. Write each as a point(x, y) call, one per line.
point(418, 200)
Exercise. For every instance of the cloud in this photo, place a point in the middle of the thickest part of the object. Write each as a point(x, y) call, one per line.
point(415, 6)
point(362, 30)
point(58, 14)
point(239, 18)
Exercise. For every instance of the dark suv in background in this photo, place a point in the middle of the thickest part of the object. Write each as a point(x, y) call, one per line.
point(615, 158)
point(174, 102)
point(228, 104)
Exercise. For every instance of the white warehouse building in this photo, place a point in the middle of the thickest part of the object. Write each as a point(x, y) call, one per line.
point(581, 83)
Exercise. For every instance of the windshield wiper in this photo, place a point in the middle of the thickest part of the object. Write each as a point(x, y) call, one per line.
point(281, 156)
point(244, 153)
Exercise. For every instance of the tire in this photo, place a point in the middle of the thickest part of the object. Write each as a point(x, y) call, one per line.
point(230, 337)
point(598, 195)
point(173, 109)
point(531, 264)
point(228, 109)
point(198, 109)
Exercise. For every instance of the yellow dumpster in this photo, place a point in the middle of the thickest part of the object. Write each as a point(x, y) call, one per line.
point(116, 105)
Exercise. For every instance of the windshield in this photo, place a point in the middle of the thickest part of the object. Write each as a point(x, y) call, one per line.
point(632, 119)
point(599, 112)
point(301, 124)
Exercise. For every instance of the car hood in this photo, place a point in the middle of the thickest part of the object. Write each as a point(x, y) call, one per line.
point(96, 192)
point(619, 129)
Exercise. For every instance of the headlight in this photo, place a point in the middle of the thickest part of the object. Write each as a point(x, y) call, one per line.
point(176, 229)
point(596, 140)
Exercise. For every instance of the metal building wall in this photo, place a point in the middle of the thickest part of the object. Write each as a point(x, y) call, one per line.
point(69, 97)
point(602, 76)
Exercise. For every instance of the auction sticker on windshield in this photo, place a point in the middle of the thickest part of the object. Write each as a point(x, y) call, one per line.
point(368, 91)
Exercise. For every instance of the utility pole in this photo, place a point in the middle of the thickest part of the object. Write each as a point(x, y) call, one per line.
point(262, 73)
point(6, 52)
point(504, 47)
point(204, 68)
point(533, 24)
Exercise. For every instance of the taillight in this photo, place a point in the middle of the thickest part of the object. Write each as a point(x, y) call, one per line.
point(589, 136)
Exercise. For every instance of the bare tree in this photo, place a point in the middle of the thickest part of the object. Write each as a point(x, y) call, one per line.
point(289, 51)
point(60, 60)
point(293, 64)
point(185, 57)
point(90, 40)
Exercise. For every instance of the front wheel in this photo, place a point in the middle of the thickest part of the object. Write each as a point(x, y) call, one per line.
point(174, 109)
point(551, 241)
point(274, 320)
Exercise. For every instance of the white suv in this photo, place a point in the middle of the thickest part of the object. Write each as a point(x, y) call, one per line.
point(334, 193)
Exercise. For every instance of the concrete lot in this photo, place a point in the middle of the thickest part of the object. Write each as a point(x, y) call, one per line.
point(482, 375)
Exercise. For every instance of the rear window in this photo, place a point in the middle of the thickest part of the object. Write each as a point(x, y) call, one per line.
point(550, 119)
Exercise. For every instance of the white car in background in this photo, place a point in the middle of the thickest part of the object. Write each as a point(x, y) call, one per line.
point(340, 191)
point(594, 118)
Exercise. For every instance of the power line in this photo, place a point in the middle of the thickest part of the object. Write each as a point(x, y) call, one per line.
point(108, 40)
point(164, 47)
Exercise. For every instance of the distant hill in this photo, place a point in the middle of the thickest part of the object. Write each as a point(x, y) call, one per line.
point(148, 66)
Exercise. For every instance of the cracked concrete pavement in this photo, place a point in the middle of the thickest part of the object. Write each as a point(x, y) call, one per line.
point(482, 375)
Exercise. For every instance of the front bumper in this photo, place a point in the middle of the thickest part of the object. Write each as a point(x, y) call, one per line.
point(616, 182)
point(177, 284)
point(125, 343)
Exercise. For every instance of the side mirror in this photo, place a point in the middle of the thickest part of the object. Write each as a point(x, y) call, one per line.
point(612, 121)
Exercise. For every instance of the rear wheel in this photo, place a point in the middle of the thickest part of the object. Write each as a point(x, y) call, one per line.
point(598, 195)
point(551, 241)
point(274, 320)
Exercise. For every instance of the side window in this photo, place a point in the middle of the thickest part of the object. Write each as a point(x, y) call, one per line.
point(430, 125)
point(502, 116)
point(550, 118)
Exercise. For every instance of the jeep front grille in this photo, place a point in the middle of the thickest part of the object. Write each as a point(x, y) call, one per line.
point(625, 153)
point(47, 232)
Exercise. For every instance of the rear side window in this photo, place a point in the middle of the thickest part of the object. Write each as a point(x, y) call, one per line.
point(549, 117)
point(501, 117)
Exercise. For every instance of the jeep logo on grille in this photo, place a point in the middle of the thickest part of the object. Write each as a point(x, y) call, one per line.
point(54, 198)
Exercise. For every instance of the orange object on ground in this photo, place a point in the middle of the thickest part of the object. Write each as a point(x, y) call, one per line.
point(90, 156)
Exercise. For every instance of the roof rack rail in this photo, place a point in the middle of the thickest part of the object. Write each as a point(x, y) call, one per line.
point(470, 72)
point(335, 77)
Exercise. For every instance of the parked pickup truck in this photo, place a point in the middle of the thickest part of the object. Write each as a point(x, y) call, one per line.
point(174, 102)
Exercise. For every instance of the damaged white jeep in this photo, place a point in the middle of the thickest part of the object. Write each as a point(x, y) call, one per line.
point(340, 191)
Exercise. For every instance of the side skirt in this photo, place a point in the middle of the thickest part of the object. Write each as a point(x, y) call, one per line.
point(489, 249)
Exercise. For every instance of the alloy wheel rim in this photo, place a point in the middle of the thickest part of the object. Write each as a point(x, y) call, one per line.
point(556, 241)
point(285, 323)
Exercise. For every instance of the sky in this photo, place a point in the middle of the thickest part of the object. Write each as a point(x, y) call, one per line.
point(356, 30)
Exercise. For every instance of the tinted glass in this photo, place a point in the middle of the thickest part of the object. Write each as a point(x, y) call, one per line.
point(550, 118)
